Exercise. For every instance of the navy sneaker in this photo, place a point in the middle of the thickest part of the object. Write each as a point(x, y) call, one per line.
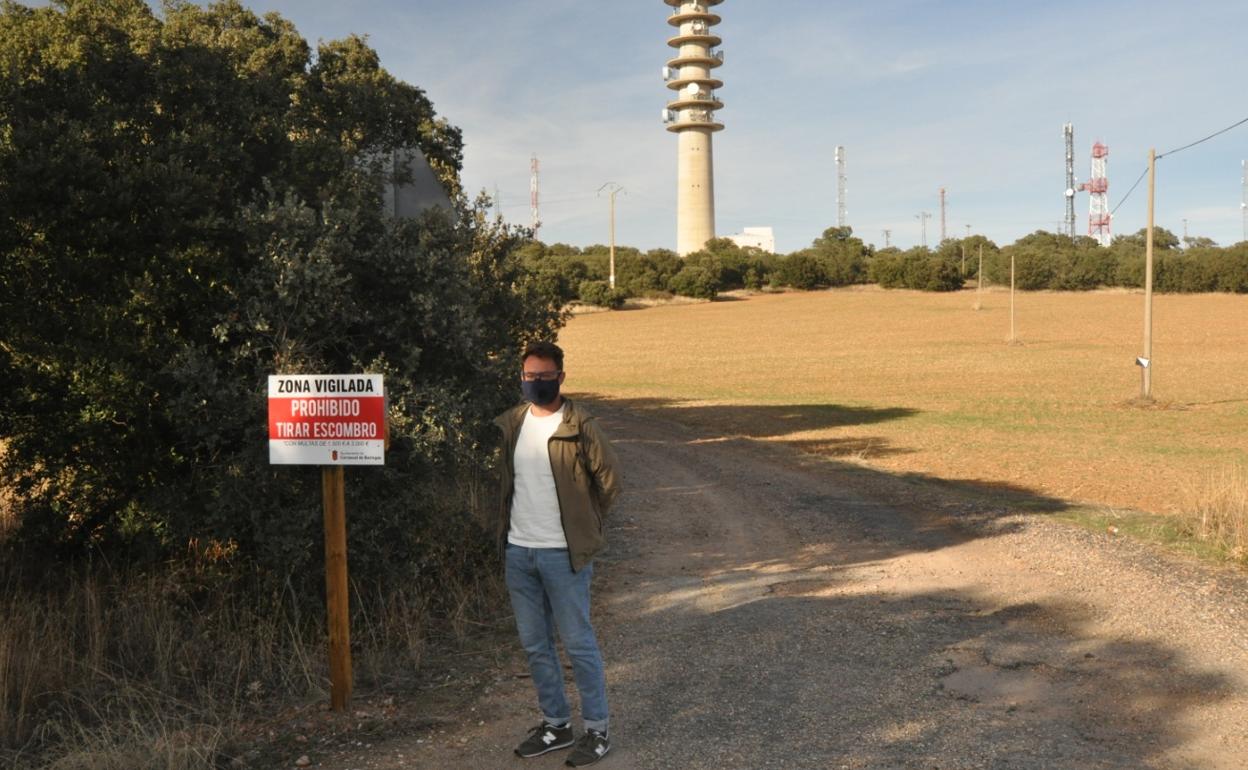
point(592, 747)
point(543, 738)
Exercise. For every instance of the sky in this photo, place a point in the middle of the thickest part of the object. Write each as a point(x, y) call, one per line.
point(970, 95)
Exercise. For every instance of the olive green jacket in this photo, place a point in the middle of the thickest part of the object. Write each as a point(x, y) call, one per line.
point(586, 482)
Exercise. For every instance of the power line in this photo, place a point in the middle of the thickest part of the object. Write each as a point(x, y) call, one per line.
point(1128, 195)
point(1200, 141)
point(1172, 152)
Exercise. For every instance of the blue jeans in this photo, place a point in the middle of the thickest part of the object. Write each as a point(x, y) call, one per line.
point(546, 594)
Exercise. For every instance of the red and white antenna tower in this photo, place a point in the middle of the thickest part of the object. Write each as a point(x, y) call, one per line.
point(537, 221)
point(1098, 195)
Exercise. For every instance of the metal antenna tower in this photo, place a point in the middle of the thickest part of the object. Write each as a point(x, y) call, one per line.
point(1068, 130)
point(1098, 195)
point(841, 179)
point(887, 233)
point(1243, 196)
point(533, 188)
point(942, 215)
point(923, 216)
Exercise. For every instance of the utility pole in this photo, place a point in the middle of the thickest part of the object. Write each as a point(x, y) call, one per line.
point(923, 216)
point(979, 291)
point(533, 189)
point(612, 188)
point(1145, 361)
point(942, 215)
point(1013, 336)
point(842, 179)
point(887, 233)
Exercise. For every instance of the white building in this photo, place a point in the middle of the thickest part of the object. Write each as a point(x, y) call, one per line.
point(758, 237)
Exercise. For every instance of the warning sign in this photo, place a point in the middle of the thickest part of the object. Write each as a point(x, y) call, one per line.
point(327, 419)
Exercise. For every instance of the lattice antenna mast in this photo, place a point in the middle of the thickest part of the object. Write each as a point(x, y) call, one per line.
point(942, 215)
point(923, 216)
point(691, 116)
point(1098, 195)
point(841, 188)
point(533, 195)
point(1068, 130)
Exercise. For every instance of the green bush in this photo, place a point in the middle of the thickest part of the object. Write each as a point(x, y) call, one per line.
point(695, 281)
point(842, 258)
point(888, 269)
point(644, 274)
point(965, 253)
point(844, 268)
point(932, 273)
point(917, 268)
point(601, 294)
point(1230, 268)
point(801, 271)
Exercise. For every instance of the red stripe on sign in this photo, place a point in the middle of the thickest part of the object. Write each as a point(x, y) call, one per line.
point(337, 418)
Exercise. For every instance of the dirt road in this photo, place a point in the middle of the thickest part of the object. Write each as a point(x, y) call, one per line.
point(759, 608)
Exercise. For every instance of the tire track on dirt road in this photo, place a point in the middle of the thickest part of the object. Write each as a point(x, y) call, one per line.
point(757, 612)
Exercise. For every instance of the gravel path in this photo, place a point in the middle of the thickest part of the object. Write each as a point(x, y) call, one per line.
point(759, 609)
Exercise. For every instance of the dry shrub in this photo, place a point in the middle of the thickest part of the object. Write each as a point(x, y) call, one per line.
point(160, 671)
point(99, 672)
point(1220, 514)
point(135, 729)
point(8, 514)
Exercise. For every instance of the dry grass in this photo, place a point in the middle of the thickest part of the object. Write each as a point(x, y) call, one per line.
point(153, 673)
point(8, 521)
point(130, 673)
point(916, 382)
point(1220, 516)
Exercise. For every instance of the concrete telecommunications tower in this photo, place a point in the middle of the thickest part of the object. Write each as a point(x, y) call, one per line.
point(691, 116)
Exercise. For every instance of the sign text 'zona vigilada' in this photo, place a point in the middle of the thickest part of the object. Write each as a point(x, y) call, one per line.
point(338, 385)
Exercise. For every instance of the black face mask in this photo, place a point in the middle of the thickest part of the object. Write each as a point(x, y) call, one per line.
point(540, 392)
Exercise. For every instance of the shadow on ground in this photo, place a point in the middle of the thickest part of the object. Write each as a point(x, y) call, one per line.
point(752, 623)
point(764, 421)
point(935, 679)
point(972, 502)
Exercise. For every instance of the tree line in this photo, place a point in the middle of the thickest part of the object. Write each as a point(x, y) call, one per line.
point(1043, 260)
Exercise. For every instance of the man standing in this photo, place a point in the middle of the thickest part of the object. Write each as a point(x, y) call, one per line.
point(558, 479)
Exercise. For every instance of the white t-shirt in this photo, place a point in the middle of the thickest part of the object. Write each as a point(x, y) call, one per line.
point(535, 521)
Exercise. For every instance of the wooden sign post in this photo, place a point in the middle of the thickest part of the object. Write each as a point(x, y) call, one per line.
point(330, 420)
point(337, 604)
